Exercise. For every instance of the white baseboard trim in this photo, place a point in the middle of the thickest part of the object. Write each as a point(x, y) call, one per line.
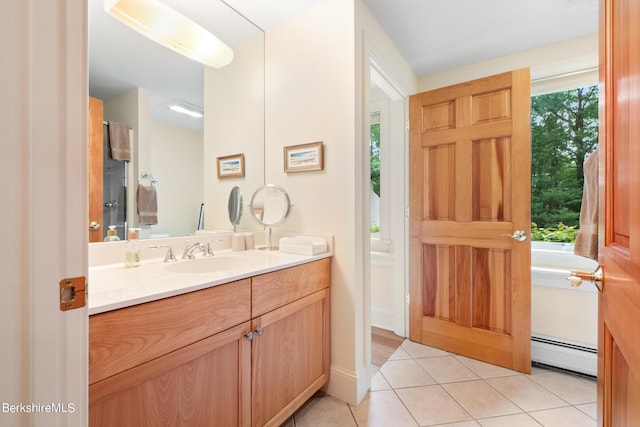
point(347, 385)
point(570, 357)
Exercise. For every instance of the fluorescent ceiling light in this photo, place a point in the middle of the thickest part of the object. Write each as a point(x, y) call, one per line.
point(183, 110)
point(171, 29)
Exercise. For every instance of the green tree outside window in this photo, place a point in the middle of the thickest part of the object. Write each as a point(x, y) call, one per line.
point(564, 131)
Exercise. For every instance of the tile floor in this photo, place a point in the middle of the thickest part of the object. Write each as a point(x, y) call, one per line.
point(422, 386)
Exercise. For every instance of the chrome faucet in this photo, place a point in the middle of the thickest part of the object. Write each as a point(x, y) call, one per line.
point(188, 250)
point(169, 257)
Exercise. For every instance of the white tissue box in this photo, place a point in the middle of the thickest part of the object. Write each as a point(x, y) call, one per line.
point(303, 245)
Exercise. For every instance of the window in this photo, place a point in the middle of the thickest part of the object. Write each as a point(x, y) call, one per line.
point(564, 131)
point(374, 151)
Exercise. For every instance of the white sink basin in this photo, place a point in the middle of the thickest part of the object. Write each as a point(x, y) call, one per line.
point(214, 264)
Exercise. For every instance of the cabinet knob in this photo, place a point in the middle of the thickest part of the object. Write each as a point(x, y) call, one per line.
point(259, 331)
point(248, 335)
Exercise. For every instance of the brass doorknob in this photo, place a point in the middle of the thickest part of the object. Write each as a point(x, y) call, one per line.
point(95, 225)
point(519, 235)
point(595, 277)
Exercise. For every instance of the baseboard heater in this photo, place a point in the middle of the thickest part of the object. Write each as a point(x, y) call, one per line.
point(564, 355)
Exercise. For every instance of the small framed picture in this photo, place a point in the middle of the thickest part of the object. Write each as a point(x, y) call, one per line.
point(304, 157)
point(231, 166)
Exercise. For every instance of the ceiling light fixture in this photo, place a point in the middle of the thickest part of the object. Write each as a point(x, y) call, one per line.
point(185, 110)
point(171, 29)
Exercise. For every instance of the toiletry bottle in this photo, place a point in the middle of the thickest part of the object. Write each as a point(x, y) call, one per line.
point(132, 249)
point(111, 236)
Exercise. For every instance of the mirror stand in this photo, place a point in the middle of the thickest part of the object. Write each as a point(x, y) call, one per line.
point(270, 206)
point(270, 246)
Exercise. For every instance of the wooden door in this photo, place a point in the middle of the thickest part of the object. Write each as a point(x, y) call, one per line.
point(619, 252)
point(204, 384)
point(469, 186)
point(96, 114)
point(290, 358)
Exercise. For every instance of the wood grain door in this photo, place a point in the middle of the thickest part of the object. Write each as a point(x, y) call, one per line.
point(470, 191)
point(619, 252)
point(290, 358)
point(203, 384)
point(96, 113)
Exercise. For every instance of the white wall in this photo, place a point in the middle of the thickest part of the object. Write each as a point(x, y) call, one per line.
point(176, 163)
point(234, 124)
point(556, 59)
point(315, 92)
point(310, 97)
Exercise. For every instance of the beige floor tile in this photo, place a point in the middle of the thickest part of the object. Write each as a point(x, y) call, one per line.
point(569, 387)
point(378, 382)
point(405, 373)
point(383, 409)
point(446, 369)
point(324, 412)
point(518, 420)
point(416, 350)
point(462, 424)
point(527, 394)
point(480, 399)
point(485, 370)
point(288, 423)
point(563, 417)
point(399, 354)
point(432, 405)
point(590, 409)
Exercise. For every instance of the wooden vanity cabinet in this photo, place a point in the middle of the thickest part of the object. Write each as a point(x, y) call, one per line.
point(178, 361)
point(203, 384)
point(291, 351)
point(186, 360)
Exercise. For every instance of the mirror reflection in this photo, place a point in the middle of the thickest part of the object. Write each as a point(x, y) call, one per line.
point(137, 81)
point(270, 206)
point(235, 207)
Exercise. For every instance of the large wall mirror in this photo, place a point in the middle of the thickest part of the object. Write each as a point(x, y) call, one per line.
point(137, 81)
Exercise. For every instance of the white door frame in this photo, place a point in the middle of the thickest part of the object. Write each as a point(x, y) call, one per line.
point(44, 170)
point(398, 184)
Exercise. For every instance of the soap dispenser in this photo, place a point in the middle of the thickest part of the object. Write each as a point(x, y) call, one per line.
point(132, 249)
point(111, 236)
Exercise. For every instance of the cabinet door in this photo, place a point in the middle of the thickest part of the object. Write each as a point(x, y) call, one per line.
point(290, 359)
point(204, 384)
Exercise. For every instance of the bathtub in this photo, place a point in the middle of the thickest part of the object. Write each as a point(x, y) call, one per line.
point(564, 320)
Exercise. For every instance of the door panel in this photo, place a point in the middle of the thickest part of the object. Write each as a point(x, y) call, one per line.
point(96, 135)
point(619, 249)
point(469, 191)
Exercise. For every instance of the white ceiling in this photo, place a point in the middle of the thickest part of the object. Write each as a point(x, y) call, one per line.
point(432, 35)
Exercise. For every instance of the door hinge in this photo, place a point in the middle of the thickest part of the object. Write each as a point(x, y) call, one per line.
point(406, 125)
point(73, 293)
point(407, 299)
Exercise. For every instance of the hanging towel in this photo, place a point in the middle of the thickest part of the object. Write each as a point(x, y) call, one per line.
point(119, 141)
point(147, 204)
point(587, 239)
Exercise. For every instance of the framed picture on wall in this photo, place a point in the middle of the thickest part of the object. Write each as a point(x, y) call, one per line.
point(231, 166)
point(304, 157)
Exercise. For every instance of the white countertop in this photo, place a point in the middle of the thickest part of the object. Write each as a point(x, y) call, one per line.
point(113, 286)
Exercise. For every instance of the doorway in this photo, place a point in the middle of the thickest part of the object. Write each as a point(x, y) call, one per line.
point(564, 133)
point(388, 195)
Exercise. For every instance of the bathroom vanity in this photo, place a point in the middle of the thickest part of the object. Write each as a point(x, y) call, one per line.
point(243, 347)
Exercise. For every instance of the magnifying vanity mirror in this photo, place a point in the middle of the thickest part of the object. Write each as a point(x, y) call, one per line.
point(270, 206)
point(235, 207)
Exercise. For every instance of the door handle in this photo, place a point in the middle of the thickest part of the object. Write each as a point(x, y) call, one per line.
point(95, 225)
point(595, 277)
point(519, 235)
